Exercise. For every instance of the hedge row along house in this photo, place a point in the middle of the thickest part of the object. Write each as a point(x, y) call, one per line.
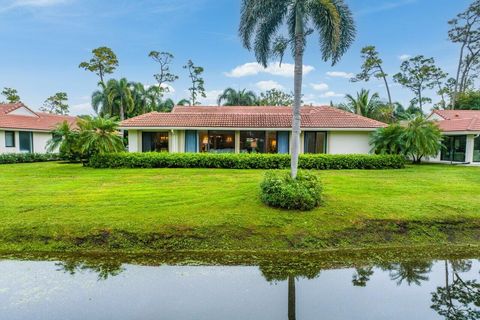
point(249, 130)
point(25, 130)
point(461, 130)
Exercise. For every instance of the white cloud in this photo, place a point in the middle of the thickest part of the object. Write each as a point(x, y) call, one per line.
point(254, 68)
point(268, 85)
point(30, 3)
point(212, 98)
point(331, 94)
point(319, 86)
point(340, 74)
point(404, 57)
point(81, 109)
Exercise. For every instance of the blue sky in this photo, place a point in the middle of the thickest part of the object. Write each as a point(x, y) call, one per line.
point(43, 41)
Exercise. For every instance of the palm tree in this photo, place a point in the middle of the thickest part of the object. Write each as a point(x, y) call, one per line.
point(232, 97)
point(167, 105)
point(364, 104)
point(261, 21)
point(100, 102)
point(65, 139)
point(99, 135)
point(119, 97)
point(145, 99)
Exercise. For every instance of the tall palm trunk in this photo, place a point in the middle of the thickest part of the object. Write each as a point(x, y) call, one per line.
point(298, 78)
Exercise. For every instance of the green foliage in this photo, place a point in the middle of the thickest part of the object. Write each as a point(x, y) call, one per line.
point(469, 100)
point(66, 140)
point(165, 76)
point(261, 22)
point(104, 61)
point(418, 74)
point(99, 136)
point(57, 104)
point(275, 97)
point(198, 83)
point(369, 106)
point(372, 67)
point(418, 139)
point(388, 140)
point(9, 158)
point(280, 190)
point(244, 161)
point(90, 136)
point(232, 97)
point(11, 95)
point(116, 98)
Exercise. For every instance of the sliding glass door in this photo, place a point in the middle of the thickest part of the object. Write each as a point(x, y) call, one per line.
point(454, 148)
point(217, 141)
point(155, 141)
point(26, 141)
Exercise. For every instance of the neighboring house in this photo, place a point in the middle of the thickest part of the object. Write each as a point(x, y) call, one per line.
point(461, 130)
point(249, 130)
point(25, 130)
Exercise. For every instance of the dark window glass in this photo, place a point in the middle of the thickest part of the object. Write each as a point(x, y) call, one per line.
point(454, 148)
point(252, 141)
point(217, 141)
point(9, 139)
point(314, 142)
point(26, 141)
point(155, 141)
point(476, 150)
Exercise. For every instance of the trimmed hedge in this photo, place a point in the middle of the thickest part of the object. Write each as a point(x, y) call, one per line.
point(244, 161)
point(27, 157)
point(279, 190)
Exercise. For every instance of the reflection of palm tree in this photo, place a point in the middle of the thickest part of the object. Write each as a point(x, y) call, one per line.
point(292, 305)
point(412, 272)
point(103, 269)
point(458, 299)
point(362, 276)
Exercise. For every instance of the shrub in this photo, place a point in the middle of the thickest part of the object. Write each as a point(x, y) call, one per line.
point(244, 161)
point(279, 190)
point(27, 157)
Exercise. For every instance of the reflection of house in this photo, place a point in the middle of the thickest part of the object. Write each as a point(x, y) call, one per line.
point(461, 129)
point(24, 130)
point(249, 130)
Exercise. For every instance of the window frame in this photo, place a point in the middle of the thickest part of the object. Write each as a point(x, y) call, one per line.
point(315, 141)
point(13, 139)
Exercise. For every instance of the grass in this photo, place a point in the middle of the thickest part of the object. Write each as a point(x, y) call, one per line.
point(65, 207)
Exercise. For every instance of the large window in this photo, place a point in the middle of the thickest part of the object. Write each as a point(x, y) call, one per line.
point(10, 139)
point(454, 148)
point(315, 142)
point(26, 141)
point(217, 141)
point(252, 142)
point(155, 141)
point(476, 150)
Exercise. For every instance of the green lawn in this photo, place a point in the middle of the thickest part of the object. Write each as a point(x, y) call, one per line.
point(56, 206)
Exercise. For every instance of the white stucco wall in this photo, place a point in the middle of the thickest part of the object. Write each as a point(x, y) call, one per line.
point(339, 142)
point(134, 141)
point(40, 140)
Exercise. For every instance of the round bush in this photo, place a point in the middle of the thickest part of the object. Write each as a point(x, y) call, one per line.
point(279, 190)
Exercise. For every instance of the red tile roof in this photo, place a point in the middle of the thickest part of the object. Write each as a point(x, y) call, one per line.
point(251, 117)
point(38, 121)
point(458, 120)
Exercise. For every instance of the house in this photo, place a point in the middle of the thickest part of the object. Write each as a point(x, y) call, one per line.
point(249, 130)
point(25, 130)
point(461, 130)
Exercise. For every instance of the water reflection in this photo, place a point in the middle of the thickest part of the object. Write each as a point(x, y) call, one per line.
point(410, 289)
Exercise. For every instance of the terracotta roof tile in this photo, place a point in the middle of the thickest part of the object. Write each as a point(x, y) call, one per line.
point(459, 120)
point(250, 117)
point(38, 121)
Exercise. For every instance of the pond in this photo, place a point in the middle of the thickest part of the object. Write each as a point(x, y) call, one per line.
point(106, 289)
